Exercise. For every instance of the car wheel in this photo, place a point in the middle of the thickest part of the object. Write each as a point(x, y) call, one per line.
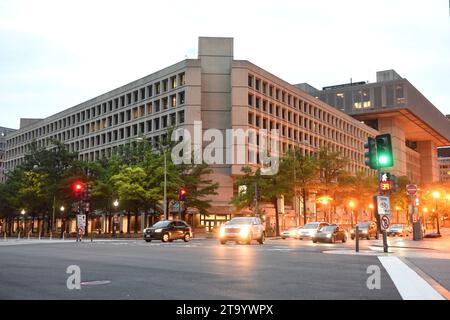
point(344, 239)
point(262, 239)
point(165, 237)
point(283, 238)
point(333, 239)
point(223, 241)
point(352, 237)
point(377, 236)
point(368, 237)
point(186, 237)
point(148, 240)
point(314, 241)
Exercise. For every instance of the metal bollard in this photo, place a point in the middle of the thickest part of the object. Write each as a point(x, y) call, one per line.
point(357, 238)
point(385, 245)
point(64, 234)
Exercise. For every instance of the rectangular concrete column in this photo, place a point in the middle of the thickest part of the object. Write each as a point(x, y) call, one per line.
point(216, 57)
point(429, 167)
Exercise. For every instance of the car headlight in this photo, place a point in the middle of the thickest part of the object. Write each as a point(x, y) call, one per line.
point(222, 232)
point(364, 231)
point(244, 232)
point(329, 235)
point(158, 230)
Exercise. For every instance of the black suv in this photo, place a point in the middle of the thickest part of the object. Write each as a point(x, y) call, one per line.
point(168, 230)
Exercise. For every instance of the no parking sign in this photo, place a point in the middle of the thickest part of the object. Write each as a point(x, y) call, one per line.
point(384, 222)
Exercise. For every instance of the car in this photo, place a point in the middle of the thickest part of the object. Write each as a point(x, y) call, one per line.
point(310, 229)
point(399, 229)
point(331, 234)
point(289, 233)
point(367, 229)
point(168, 230)
point(242, 229)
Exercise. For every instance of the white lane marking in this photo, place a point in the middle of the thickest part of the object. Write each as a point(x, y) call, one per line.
point(408, 283)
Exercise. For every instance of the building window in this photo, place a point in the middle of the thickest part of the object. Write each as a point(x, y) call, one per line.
point(182, 78)
point(173, 100)
point(366, 99)
point(357, 104)
point(377, 97)
point(250, 100)
point(181, 97)
point(389, 95)
point(149, 91)
point(173, 82)
point(399, 94)
point(181, 116)
point(250, 81)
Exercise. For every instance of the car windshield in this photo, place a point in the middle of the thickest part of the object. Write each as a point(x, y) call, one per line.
point(311, 226)
point(161, 224)
point(240, 221)
point(328, 229)
point(363, 225)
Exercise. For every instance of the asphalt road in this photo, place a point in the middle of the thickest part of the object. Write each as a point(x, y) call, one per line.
point(199, 270)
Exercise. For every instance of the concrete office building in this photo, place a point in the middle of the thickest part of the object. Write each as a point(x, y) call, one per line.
point(393, 105)
point(3, 133)
point(221, 92)
point(444, 164)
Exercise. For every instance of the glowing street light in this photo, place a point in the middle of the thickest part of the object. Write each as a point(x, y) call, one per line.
point(436, 196)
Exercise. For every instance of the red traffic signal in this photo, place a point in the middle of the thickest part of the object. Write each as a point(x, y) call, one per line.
point(386, 185)
point(78, 188)
point(182, 193)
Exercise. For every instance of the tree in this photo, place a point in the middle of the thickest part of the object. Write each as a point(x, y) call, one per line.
point(270, 189)
point(302, 171)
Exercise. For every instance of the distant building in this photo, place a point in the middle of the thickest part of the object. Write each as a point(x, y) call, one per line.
point(444, 164)
point(3, 134)
point(393, 105)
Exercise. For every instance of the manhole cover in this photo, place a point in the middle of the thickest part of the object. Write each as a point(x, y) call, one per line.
point(95, 283)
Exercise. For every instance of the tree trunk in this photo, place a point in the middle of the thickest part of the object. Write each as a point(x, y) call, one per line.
point(277, 219)
point(136, 221)
point(305, 219)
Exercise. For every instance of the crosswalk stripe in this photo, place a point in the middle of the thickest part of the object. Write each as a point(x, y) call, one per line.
point(408, 283)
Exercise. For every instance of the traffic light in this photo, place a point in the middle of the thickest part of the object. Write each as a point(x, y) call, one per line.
point(384, 151)
point(78, 189)
point(371, 153)
point(88, 192)
point(182, 193)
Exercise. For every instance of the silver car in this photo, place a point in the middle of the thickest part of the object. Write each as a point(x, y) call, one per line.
point(399, 230)
point(310, 229)
point(242, 229)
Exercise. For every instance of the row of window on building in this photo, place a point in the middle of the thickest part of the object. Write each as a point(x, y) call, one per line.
point(150, 91)
point(267, 98)
point(141, 128)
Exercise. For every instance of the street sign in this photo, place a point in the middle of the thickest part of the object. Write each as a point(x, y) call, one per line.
point(383, 205)
point(81, 220)
point(411, 189)
point(384, 222)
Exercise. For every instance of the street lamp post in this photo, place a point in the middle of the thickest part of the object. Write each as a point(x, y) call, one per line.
point(351, 204)
point(63, 225)
point(436, 197)
point(116, 205)
point(371, 211)
point(23, 220)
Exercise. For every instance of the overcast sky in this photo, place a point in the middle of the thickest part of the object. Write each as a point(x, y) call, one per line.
point(55, 54)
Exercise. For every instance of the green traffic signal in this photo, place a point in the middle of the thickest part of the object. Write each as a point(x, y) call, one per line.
point(384, 151)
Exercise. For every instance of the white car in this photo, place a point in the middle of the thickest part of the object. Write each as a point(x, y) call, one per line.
point(310, 229)
point(242, 229)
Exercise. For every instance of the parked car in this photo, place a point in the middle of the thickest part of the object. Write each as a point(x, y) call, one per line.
point(367, 230)
point(310, 229)
point(289, 233)
point(242, 229)
point(168, 230)
point(399, 230)
point(331, 234)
